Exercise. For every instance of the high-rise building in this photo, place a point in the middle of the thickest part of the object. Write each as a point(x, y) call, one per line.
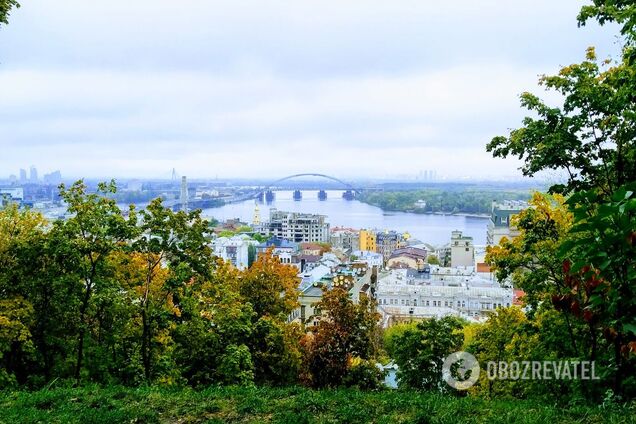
point(298, 227)
point(53, 178)
point(184, 194)
point(33, 174)
point(23, 175)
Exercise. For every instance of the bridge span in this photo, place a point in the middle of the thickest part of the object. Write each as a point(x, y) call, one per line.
point(261, 192)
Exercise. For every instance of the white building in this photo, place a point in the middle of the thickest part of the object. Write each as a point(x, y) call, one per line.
point(234, 250)
point(371, 258)
point(405, 294)
point(298, 227)
point(462, 250)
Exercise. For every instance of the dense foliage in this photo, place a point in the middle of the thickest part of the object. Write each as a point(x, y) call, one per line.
point(107, 296)
point(136, 297)
point(576, 256)
point(419, 352)
point(441, 201)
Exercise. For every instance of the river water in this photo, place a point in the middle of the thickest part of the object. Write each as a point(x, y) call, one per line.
point(433, 229)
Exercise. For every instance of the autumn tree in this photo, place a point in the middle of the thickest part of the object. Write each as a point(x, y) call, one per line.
point(345, 333)
point(271, 288)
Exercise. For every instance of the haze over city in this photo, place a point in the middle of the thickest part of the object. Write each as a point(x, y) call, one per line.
point(253, 89)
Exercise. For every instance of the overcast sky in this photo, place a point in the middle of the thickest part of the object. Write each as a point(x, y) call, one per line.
point(134, 88)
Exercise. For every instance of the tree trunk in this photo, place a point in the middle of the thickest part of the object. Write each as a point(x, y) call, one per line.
point(81, 335)
point(145, 344)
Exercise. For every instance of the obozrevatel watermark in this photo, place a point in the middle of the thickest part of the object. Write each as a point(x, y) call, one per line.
point(461, 370)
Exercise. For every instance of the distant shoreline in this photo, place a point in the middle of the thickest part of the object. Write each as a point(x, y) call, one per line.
point(415, 212)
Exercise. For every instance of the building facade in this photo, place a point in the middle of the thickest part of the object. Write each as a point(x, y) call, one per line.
point(409, 257)
point(298, 227)
point(406, 294)
point(499, 224)
point(462, 250)
point(345, 239)
point(234, 250)
point(367, 240)
point(387, 242)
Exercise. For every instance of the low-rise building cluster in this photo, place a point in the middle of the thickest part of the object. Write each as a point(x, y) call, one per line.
point(398, 272)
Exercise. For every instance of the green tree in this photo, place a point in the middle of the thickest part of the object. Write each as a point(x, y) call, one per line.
point(590, 137)
point(176, 239)
point(432, 259)
point(420, 352)
point(602, 275)
point(84, 242)
point(215, 330)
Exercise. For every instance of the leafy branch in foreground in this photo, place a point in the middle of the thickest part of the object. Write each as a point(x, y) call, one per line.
point(5, 9)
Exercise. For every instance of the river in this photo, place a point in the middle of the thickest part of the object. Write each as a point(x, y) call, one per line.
point(433, 229)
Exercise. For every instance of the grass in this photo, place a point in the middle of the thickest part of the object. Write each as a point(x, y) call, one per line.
point(287, 405)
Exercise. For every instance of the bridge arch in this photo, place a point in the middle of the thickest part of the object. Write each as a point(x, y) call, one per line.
point(311, 174)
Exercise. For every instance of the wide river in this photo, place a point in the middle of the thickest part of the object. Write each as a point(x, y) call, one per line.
point(433, 229)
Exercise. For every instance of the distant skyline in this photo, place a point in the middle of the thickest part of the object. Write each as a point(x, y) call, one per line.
point(252, 89)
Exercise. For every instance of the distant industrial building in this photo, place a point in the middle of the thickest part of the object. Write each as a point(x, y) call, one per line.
point(499, 224)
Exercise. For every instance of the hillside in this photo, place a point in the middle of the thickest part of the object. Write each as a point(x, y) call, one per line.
point(290, 405)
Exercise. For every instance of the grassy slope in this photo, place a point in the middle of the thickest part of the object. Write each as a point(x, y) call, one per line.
point(291, 405)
